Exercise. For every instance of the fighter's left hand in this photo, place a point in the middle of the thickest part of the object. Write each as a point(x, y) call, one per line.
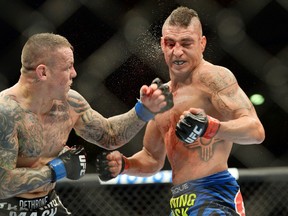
point(157, 98)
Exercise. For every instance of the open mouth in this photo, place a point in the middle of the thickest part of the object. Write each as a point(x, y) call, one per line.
point(178, 62)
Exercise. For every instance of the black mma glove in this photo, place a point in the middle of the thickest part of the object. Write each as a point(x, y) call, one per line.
point(144, 113)
point(166, 92)
point(197, 125)
point(102, 168)
point(71, 164)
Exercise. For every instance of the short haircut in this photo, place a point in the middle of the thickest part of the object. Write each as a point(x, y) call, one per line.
point(39, 47)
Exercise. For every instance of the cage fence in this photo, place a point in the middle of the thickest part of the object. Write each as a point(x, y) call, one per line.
point(264, 192)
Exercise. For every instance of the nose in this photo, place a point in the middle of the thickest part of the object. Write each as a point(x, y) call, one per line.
point(177, 50)
point(73, 73)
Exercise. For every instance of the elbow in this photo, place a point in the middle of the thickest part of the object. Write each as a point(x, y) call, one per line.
point(260, 138)
point(109, 147)
point(153, 171)
point(112, 142)
point(259, 134)
point(115, 145)
point(3, 194)
point(153, 168)
point(157, 169)
point(158, 166)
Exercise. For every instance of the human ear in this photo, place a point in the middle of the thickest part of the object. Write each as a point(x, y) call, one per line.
point(203, 43)
point(162, 44)
point(41, 72)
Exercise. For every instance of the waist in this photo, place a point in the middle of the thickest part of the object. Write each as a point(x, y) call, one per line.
point(26, 203)
point(39, 192)
point(217, 178)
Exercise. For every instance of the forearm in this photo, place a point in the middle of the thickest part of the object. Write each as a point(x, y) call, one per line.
point(244, 130)
point(124, 127)
point(113, 132)
point(142, 165)
point(23, 180)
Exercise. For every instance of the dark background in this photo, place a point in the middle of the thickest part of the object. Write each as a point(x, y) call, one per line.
point(117, 51)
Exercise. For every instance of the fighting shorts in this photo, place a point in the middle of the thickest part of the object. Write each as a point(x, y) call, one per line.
point(40, 206)
point(215, 195)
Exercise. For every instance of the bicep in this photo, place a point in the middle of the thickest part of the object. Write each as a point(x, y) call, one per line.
point(89, 124)
point(232, 101)
point(8, 137)
point(8, 152)
point(8, 160)
point(153, 142)
point(151, 158)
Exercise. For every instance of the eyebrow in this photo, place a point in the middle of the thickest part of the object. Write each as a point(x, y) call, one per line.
point(181, 40)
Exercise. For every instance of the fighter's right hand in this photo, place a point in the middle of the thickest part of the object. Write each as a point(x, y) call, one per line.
point(71, 164)
point(195, 123)
point(110, 164)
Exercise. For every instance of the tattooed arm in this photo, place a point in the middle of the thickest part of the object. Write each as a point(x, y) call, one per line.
point(109, 133)
point(240, 122)
point(22, 180)
point(15, 181)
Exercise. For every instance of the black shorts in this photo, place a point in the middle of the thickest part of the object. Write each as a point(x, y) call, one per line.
point(41, 206)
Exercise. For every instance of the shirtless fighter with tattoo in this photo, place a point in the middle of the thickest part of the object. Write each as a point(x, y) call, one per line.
point(210, 113)
point(36, 116)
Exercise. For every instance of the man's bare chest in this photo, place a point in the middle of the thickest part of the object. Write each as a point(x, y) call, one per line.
point(45, 135)
point(183, 101)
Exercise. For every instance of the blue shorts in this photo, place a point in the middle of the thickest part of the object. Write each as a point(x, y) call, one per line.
point(218, 195)
point(41, 206)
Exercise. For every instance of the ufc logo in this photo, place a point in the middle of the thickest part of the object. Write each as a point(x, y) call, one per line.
point(82, 160)
point(194, 134)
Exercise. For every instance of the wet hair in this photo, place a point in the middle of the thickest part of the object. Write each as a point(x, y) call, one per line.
point(181, 16)
point(38, 49)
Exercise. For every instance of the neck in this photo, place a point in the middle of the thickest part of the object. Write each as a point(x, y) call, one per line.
point(32, 96)
point(180, 79)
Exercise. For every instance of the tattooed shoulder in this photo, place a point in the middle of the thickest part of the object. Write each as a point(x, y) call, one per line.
point(226, 94)
point(77, 102)
point(9, 109)
point(217, 78)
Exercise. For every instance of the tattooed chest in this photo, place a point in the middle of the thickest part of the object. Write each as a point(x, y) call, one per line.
point(43, 136)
